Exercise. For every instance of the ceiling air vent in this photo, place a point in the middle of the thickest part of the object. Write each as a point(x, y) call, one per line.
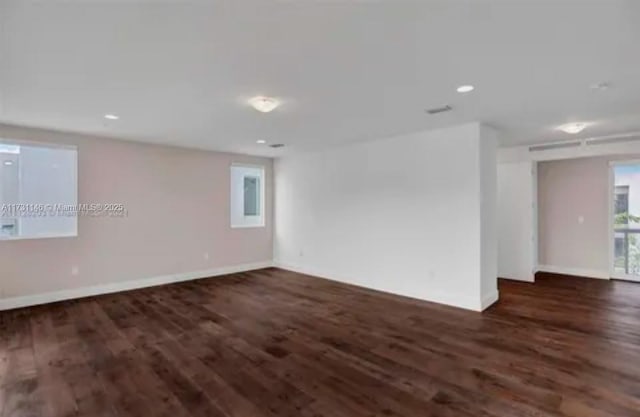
point(540, 148)
point(277, 145)
point(440, 109)
point(610, 140)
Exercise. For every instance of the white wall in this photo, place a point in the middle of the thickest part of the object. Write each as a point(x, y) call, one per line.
point(401, 215)
point(488, 213)
point(517, 230)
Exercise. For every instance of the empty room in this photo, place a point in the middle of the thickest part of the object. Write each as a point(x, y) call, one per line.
point(270, 208)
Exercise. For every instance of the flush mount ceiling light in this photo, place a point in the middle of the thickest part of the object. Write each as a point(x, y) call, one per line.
point(111, 117)
point(573, 128)
point(264, 104)
point(465, 89)
point(8, 163)
point(261, 141)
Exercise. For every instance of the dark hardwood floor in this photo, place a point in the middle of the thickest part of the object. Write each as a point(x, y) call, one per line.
point(276, 343)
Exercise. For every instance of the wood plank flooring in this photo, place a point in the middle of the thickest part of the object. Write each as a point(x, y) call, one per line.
point(276, 343)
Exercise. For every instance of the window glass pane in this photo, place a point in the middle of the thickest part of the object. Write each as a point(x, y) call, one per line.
point(251, 196)
point(9, 189)
point(627, 219)
point(37, 183)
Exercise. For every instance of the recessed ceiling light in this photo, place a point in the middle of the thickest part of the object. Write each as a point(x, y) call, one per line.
point(111, 117)
point(8, 163)
point(261, 141)
point(603, 86)
point(573, 128)
point(465, 89)
point(264, 104)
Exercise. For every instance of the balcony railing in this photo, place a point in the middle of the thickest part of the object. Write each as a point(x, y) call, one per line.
point(627, 249)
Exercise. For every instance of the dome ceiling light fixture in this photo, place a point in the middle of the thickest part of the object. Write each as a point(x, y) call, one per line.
point(573, 128)
point(264, 104)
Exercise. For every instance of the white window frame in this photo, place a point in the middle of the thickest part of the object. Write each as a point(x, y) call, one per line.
point(612, 233)
point(237, 173)
point(22, 142)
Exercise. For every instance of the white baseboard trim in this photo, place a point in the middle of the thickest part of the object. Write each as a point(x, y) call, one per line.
point(516, 277)
point(530, 281)
point(489, 299)
point(454, 300)
point(51, 297)
point(578, 272)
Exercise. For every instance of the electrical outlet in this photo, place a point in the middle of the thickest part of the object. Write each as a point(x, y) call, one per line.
point(301, 253)
point(75, 270)
point(206, 256)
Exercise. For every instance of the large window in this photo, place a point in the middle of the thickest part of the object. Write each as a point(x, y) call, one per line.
point(247, 196)
point(38, 191)
point(626, 220)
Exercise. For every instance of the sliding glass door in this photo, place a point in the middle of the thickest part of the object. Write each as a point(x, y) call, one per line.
point(626, 220)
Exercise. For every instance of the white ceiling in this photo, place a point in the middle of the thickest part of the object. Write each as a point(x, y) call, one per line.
point(180, 71)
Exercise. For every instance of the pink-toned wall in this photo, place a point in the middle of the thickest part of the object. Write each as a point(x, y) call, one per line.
point(573, 214)
point(568, 191)
point(178, 210)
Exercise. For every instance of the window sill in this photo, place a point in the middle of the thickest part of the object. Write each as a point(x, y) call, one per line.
point(44, 236)
point(246, 226)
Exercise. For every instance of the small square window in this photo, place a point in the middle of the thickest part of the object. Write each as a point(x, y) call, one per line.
point(247, 196)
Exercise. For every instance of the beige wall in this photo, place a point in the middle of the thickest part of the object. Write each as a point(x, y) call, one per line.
point(573, 214)
point(178, 210)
